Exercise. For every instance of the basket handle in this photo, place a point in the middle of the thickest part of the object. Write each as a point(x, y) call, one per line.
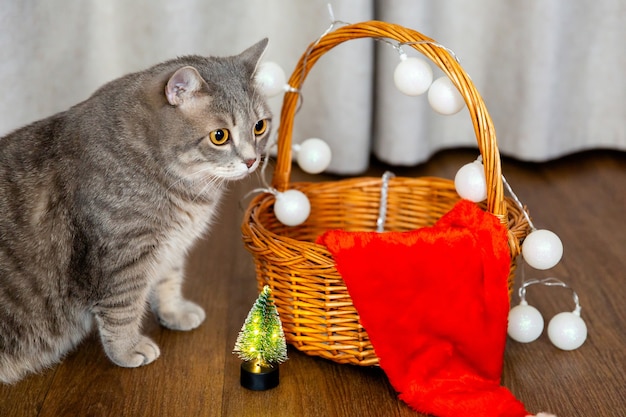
point(483, 125)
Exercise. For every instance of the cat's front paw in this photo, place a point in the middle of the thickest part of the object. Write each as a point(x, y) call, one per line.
point(141, 353)
point(185, 315)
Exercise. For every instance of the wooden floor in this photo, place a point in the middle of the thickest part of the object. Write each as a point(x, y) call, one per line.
point(582, 198)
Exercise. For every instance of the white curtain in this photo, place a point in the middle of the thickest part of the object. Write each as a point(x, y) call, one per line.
point(551, 72)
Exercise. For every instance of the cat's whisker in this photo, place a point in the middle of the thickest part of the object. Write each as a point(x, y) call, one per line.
point(192, 180)
point(207, 184)
point(210, 182)
point(170, 172)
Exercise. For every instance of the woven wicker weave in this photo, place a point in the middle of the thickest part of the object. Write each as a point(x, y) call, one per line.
point(313, 302)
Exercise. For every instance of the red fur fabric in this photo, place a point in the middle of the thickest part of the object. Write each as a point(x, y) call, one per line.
point(434, 302)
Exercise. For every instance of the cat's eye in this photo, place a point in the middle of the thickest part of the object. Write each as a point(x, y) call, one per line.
point(219, 136)
point(260, 127)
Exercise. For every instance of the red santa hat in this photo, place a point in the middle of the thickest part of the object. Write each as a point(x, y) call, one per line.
point(435, 302)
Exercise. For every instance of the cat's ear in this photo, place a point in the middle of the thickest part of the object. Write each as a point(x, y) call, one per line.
point(252, 56)
point(183, 85)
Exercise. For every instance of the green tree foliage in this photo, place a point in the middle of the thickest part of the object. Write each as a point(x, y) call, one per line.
point(261, 337)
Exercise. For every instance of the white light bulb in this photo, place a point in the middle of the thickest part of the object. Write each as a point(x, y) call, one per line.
point(444, 98)
point(542, 249)
point(470, 183)
point(271, 78)
point(567, 331)
point(413, 76)
point(292, 207)
point(313, 155)
point(525, 323)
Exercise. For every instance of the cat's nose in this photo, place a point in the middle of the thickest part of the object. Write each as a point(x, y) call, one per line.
point(250, 162)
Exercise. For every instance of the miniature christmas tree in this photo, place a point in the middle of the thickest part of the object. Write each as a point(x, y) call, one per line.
point(261, 344)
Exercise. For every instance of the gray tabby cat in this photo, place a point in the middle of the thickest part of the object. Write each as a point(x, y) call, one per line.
point(99, 205)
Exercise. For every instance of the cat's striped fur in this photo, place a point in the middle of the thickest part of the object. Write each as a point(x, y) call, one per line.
point(99, 205)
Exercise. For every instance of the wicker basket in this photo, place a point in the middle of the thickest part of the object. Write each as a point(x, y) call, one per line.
point(313, 302)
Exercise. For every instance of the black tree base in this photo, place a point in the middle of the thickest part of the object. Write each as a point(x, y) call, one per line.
point(257, 377)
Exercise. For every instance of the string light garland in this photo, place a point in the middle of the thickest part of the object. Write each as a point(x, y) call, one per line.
point(271, 79)
point(542, 249)
point(444, 98)
point(566, 330)
point(292, 207)
point(470, 182)
point(413, 76)
point(313, 155)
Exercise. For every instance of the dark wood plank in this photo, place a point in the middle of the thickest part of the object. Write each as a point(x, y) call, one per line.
point(582, 198)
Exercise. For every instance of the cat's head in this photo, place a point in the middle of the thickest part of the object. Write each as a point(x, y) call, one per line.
point(217, 119)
